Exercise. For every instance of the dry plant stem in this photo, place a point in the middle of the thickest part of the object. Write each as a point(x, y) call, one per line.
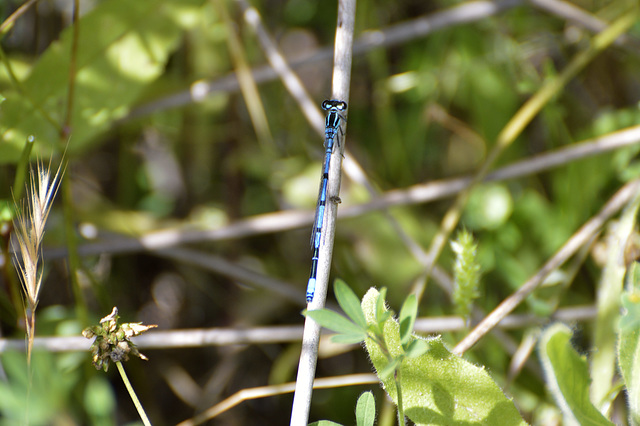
point(311, 334)
point(266, 391)
point(8, 23)
point(222, 266)
point(394, 35)
point(29, 231)
point(416, 194)
point(516, 125)
point(576, 15)
point(132, 394)
point(198, 338)
point(582, 236)
point(279, 64)
point(248, 86)
point(17, 189)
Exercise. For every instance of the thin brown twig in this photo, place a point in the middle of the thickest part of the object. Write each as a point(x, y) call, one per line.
point(281, 67)
point(230, 336)
point(8, 23)
point(265, 391)
point(248, 85)
point(391, 36)
point(372, 39)
point(415, 194)
point(516, 126)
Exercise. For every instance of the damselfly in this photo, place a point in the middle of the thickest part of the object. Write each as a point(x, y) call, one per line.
point(332, 125)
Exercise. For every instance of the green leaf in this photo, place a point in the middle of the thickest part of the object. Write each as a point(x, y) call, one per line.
point(366, 410)
point(629, 352)
point(632, 274)
point(631, 318)
point(417, 348)
point(349, 339)
point(407, 319)
point(334, 321)
point(349, 302)
point(568, 377)
point(438, 387)
point(388, 370)
point(324, 423)
point(602, 362)
point(124, 45)
point(382, 314)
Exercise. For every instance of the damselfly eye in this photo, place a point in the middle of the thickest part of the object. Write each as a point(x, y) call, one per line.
point(326, 105)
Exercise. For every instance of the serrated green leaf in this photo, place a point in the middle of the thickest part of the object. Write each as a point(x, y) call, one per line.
point(366, 410)
point(629, 353)
point(568, 377)
point(334, 321)
point(349, 302)
point(407, 318)
point(439, 387)
point(123, 46)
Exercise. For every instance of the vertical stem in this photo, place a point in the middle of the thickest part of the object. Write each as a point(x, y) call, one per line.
point(66, 125)
point(133, 395)
point(69, 222)
point(603, 361)
point(311, 335)
point(398, 380)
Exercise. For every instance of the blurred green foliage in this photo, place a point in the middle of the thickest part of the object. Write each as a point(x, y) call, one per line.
point(145, 156)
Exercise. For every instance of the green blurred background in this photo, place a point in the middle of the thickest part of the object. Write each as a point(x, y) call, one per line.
point(145, 156)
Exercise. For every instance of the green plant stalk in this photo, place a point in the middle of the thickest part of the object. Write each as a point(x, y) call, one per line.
point(398, 379)
point(248, 85)
point(8, 23)
point(72, 250)
point(21, 168)
point(133, 395)
point(517, 124)
point(66, 126)
point(438, 387)
point(466, 274)
point(603, 361)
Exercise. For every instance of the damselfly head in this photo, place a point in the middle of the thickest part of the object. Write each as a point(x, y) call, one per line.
point(334, 103)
